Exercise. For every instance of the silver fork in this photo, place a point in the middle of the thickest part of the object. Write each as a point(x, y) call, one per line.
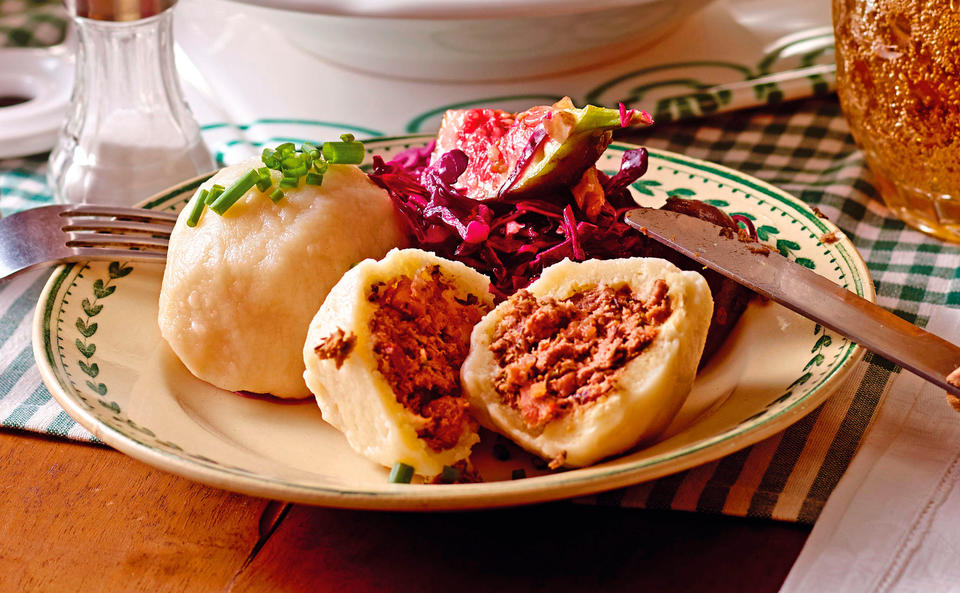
point(67, 233)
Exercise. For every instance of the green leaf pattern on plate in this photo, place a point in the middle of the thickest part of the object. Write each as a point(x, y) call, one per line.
point(823, 341)
point(650, 187)
point(88, 328)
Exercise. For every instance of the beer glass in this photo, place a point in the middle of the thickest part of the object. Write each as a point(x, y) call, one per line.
point(898, 78)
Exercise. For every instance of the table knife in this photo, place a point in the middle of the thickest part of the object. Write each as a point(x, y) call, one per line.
point(768, 273)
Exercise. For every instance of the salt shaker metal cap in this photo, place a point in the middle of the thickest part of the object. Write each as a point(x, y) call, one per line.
point(117, 10)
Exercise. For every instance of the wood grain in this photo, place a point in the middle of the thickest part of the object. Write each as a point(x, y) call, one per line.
point(554, 548)
point(84, 518)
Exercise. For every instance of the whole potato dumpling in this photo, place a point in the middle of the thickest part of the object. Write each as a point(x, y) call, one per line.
point(239, 290)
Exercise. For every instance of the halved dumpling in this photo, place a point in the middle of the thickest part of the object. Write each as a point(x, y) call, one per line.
point(591, 359)
point(383, 358)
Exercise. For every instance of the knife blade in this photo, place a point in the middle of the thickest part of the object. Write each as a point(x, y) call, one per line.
point(806, 292)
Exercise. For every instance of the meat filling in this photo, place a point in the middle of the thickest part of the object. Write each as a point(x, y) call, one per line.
point(421, 336)
point(337, 347)
point(558, 354)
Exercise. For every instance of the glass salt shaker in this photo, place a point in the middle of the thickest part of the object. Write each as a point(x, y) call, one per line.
point(129, 132)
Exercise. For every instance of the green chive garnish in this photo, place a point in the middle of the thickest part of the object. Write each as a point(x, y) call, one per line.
point(230, 196)
point(449, 475)
point(198, 205)
point(518, 474)
point(401, 473)
point(343, 153)
point(265, 181)
point(269, 158)
point(308, 164)
point(215, 190)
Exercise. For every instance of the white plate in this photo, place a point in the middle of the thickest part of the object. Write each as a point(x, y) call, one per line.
point(99, 350)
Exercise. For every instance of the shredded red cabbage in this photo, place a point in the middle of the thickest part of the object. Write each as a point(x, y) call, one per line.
point(747, 225)
point(509, 241)
point(633, 164)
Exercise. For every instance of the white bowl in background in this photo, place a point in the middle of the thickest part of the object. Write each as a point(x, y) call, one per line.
point(473, 40)
point(44, 77)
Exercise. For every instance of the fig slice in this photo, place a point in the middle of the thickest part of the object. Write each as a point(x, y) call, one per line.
point(534, 152)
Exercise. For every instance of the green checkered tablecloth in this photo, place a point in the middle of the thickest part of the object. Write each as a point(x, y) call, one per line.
point(803, 147)
point(31, 23)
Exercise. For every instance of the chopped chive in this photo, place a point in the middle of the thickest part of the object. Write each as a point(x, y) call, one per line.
point(269, 158)
point(291, 162)
point(289, 181)
point(307, 148)
point(344, 153)
point(449, 475)
point(198, 205)
point(348, 137)
point(286, 148)
point(276, 195)
point(401, 473)
point(298, 172)
point(215, 191)
point(518, 474)
point(320, 166)
point(265, 181)
point(230, 196)
point(314, 179)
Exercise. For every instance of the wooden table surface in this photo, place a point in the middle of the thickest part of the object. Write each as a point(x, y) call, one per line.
point(79, 518)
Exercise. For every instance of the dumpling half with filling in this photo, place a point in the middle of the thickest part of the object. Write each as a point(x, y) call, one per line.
point(383, 357)
point(591, 359)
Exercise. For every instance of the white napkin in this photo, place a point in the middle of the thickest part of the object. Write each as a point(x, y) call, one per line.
point(891, 525)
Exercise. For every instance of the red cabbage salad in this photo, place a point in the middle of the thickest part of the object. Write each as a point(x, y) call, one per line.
point(510, 239)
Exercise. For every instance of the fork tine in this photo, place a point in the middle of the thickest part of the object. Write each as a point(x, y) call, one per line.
point(123, 255)
point(122, 212)
point(97, 240)
point(117, 227)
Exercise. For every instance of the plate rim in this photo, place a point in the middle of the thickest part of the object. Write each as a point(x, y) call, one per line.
point(417, 497)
